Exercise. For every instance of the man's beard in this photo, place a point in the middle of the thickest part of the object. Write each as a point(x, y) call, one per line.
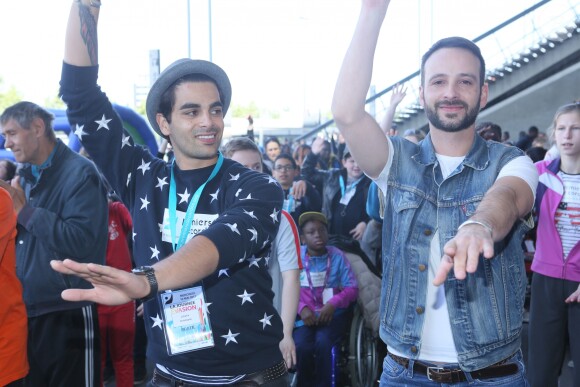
point(452, 127)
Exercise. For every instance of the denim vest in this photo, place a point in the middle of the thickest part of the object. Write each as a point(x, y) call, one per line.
point(486, 308)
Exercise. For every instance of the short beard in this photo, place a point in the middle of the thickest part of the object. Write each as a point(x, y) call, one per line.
point(467, 121)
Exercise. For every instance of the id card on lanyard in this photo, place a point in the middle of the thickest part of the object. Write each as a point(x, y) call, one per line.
point(185, 317)
point(318, 280)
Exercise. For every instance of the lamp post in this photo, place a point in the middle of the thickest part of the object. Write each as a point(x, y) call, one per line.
point(189, 29)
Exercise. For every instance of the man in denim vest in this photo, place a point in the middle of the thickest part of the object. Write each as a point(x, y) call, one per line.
point(453, 201)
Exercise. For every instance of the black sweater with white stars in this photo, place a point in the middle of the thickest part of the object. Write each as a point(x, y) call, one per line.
point(238, 211)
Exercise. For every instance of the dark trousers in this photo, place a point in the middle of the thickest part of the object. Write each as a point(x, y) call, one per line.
point(140, 345)
point(64, 349)
point(552, 324)
point(314, 350)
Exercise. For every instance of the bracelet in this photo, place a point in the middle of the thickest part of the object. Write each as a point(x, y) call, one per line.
point(483, 224)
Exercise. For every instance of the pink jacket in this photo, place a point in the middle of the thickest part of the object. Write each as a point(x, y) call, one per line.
point(549, 256)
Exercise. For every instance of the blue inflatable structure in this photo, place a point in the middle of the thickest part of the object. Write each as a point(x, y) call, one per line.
point(134, 124)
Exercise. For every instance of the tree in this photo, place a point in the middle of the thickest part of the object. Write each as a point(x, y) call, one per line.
point(8, 97)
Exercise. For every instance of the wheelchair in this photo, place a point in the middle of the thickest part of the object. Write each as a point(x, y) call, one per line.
point(358, 358)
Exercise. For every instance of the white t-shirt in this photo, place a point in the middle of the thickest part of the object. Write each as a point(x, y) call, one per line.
point(437, 343)
point(568, 213)
point(284, 256)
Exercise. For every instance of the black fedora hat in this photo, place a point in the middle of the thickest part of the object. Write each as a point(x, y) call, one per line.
point(179, 69)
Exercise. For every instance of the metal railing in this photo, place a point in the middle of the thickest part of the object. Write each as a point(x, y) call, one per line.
point(506, 48)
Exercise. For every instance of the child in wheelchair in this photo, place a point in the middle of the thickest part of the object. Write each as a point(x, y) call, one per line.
point(328, 289)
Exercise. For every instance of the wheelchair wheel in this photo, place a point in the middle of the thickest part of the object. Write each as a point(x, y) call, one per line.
point(363, 358)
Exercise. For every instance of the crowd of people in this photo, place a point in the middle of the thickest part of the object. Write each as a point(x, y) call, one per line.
point(215, 255)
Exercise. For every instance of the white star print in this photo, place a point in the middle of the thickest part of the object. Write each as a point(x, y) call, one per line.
point(214, 195)
point(267, 260)
point(80, 132)
point(266, 321)
point(254, 234)
point(157, 322)
point(184, 196)
point(144, 166)
point(238, 192)
point(234, 228)
point(271, 180)
point(155, 252)
point(145, 203)
point(230, 337)
point(254, 262)
point(247, 197)
point(274, 215)
point(128, 178)
point(224, 272)
point(242, 259)
point(250, 214)
point(205, 307)
point(234, 177)
point(161, 183)
point(103, 123)
point(160, 225)
point(125, 141)
point(246, 297)
point(265, 242)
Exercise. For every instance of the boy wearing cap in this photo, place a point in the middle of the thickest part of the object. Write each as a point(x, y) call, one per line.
point(328, 287)
point(203, 222)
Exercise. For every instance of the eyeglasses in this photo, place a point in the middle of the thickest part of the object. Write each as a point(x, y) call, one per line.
point(284, 168)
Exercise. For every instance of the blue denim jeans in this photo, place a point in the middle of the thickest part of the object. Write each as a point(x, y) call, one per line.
point(395, 375)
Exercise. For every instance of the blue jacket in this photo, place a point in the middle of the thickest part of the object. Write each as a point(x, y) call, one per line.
point(485, 309)
point(66, 216)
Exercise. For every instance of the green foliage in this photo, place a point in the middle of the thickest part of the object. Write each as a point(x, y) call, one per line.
point(54, 103)
point(8, 97)
point(141, 109)
point(239, 111)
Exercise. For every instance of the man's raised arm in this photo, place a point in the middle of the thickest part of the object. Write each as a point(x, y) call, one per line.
point(81, 48)
point(362, 133)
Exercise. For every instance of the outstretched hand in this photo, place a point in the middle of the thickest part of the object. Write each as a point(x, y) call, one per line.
point(110, 286)
point(462, 252)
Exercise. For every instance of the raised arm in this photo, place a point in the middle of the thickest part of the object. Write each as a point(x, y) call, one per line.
point(361, 131)
point(397, 96)
point(81, 47)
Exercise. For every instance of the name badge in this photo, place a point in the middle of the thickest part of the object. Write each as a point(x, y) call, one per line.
point(317, 279)
point(327, 294)
point(186, 320)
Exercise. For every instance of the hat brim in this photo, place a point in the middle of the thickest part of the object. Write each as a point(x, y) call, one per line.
point(311, 215)
point(179, 69)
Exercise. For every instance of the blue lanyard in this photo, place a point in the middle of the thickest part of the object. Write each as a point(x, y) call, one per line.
point(188, 221)
point(343, 189)
point(290, 201)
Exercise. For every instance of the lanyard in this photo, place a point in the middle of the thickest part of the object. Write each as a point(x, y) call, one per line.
point(343, 189)
point(307, 269)
point(188, 221)
point(290, 201)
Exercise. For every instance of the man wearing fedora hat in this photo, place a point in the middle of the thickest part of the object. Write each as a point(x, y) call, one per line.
point(203, 223)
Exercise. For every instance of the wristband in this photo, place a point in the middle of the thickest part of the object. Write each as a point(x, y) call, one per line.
point(483, 224)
